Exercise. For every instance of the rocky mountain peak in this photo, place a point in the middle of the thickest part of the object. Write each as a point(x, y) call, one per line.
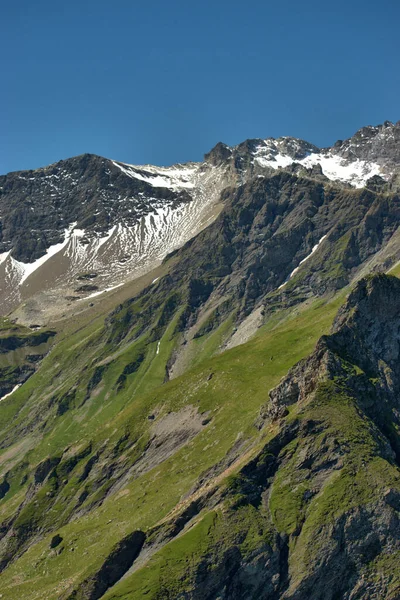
point(219, 154)
point(295, 147)
point(372, 151)
point(245, 152)
point(379, 144)
point(91, 214)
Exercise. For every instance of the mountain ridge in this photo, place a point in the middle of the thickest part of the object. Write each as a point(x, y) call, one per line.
point(90, 215)
point(118, 220)
point(338, 143)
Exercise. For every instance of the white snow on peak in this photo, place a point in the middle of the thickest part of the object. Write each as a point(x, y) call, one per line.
point(336, 168)
point(175, 177)
point(303, 261)
point(274, 161)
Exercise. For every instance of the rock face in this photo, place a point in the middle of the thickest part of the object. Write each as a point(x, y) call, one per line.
point(380, 144)
point(365, 336)
point(340, 535)
point(115, 566)
point(279, 241)
point(21, 349)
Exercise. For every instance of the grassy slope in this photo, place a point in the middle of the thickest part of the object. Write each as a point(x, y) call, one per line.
point(241, 380)
point(172, 570)
point(363, 479)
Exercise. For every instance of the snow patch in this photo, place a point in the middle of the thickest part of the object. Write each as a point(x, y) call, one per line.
point(3, 256)
point(104, 239)
point(109, 289)
point(78, 232)
point(169, 177)
point(279, 160)
point(334, 167)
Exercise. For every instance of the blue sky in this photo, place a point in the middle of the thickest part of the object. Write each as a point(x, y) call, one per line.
point(162, 82)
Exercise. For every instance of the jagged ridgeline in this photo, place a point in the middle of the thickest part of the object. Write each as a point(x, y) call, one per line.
point(227, 424)
point(85, 225)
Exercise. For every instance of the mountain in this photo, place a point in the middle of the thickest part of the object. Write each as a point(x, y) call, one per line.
point(224, 424)
point(87, 224)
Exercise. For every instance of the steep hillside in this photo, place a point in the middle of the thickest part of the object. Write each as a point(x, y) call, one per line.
point(21, 349)
point(315, 513)
point(279, 241)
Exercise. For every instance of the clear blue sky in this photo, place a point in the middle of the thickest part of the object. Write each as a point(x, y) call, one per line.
point(163, 81)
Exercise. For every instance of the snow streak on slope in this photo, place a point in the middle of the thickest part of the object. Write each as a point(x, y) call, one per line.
point(4, 256)
point(12, 391)
point(128, 250)
point(26, 269)
point(315, 248)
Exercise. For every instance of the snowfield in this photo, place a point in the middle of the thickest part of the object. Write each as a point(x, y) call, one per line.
point(356, 172)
